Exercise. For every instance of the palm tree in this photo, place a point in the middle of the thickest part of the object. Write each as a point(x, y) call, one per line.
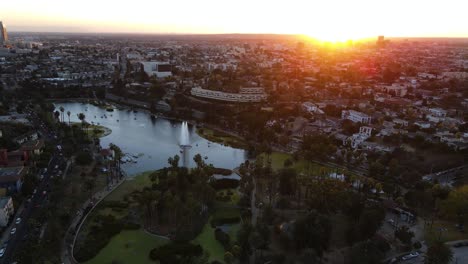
point(82, 118)
point(62, 110)
point(149, 200)
point(118, 154)
point(68, 113)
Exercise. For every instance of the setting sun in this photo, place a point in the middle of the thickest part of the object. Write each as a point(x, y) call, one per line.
point(335, 20)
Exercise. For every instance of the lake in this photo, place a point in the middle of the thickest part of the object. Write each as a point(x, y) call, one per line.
point(151, 142)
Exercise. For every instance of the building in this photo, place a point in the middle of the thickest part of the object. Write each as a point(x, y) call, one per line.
point(357, 139)
point(3, 34)
point(246, 95)
point(355, 116)
point(311, 108)
point(6, 210)
point(157, 68)
point(13, 158)
point(12, 178)
point(380, 41)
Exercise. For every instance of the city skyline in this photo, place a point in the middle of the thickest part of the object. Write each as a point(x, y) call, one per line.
point(336, 20)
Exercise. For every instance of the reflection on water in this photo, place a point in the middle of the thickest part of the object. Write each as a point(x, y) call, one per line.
point(157, 139)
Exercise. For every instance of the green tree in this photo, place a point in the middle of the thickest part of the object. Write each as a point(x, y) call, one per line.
point(404, 235)
point(455, 207)
point(438, 253)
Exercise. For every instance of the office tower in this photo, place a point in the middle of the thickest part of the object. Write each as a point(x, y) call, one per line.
point(3, 34)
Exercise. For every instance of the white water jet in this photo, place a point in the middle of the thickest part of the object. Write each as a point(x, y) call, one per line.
point(184, 134)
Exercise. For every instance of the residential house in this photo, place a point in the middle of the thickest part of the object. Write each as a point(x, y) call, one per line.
point(6, 210)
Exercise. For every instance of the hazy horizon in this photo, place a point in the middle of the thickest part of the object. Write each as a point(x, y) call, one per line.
point(335, 20)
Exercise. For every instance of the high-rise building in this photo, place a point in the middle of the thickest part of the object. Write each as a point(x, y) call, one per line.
point(3, 34)
point(381, 41)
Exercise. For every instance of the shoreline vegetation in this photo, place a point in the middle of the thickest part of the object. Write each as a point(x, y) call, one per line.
point(221, 138)
point(96, 131)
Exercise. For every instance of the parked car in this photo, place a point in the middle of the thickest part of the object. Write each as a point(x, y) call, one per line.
point(13, 231)
point(461, 244)
point(18, 220)
point(2, 252)
point(410, 256)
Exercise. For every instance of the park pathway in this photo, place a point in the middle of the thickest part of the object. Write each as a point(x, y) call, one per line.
point(69, 241)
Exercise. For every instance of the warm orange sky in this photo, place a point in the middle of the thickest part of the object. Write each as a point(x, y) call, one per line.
point(322, 19)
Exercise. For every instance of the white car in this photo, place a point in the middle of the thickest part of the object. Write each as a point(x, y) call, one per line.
point(410, 256)
point(13, 231)
point(2, 252)
point(18, 220)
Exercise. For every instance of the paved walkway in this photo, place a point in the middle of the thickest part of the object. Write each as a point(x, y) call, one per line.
point(69, 240)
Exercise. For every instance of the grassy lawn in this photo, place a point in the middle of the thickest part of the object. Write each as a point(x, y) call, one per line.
point(301, 166)
point(449, 232)
point(222, 138)
point(235, 197)
point(128, 247)
point(207, 240)
point(136, 183)
point(92, 130)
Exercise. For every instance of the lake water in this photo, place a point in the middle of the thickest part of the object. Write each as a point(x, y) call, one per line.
point(152, 140)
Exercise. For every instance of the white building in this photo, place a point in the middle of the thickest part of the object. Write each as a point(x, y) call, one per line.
point(357, 139)
point(244, 96)
point(438, 112)
point(6, 210)
point(356, 116)
point(312, 108)
point(157, 68)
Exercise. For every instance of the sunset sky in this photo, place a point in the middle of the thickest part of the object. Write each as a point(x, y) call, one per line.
point(327, 20)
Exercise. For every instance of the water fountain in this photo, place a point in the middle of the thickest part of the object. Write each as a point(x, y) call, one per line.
point(185, 143)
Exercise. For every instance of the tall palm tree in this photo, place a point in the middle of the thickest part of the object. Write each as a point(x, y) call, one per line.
point(68, 113)
point(62, 114)
point(149, 200)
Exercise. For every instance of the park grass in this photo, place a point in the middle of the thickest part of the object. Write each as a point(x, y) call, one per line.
point(208, 242)
point(301, 165)
point(95, 131)
point(221, 137)
point(136, 183)
point(235, 197)
point(448, 233)
point(128, 247)
point(226, 212)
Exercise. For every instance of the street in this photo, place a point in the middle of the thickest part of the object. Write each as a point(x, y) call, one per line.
point(38, 200)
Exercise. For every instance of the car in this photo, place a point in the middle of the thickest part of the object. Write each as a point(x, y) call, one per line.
point(44, 192)
point(460, 244)
point(35, 191)
point(13, 231)
point(2, 252)
point(410, 256)
point(18, 220)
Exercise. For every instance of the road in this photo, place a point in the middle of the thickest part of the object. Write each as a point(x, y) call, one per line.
point(38, 200)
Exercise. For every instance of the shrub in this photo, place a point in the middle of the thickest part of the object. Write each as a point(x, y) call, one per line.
point(100, 238)
point(224, 184)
